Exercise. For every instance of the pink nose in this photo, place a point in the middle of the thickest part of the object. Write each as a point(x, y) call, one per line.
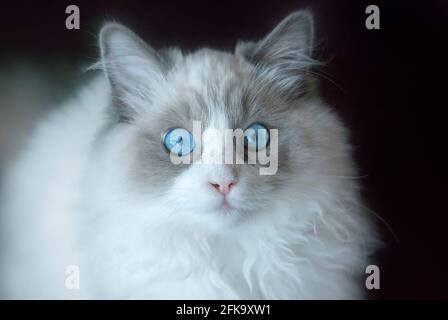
point(223, 188)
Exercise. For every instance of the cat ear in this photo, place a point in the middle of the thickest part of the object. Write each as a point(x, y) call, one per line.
point(285, 54)
point(133, 68)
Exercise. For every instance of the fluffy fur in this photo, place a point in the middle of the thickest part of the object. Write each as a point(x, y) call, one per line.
point(95, 188)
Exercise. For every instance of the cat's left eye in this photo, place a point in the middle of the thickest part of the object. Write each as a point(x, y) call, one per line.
point(178, 141)
point(256, 136)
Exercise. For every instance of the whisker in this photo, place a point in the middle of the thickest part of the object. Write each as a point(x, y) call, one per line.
point(389, 227)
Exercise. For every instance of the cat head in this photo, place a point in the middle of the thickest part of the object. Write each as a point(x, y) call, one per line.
point(181, 104)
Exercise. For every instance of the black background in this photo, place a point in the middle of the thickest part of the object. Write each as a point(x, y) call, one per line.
point(389, 85)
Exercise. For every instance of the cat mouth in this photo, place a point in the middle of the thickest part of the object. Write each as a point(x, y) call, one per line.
point(225, 207)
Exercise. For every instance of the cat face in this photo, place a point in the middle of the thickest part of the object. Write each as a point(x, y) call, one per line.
point(201, 95)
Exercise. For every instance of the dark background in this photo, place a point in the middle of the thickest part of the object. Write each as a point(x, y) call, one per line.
point(389, 85)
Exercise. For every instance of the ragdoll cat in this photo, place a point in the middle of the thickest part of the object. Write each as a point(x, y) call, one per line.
point(96, 208)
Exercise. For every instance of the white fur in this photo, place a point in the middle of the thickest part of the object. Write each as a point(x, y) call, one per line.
point(68, 200)
point(145, 249)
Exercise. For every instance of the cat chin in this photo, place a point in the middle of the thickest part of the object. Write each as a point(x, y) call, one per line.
point(216, 219)
point(229, 214)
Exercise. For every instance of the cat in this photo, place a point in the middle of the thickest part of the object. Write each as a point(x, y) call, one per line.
point(95, 190)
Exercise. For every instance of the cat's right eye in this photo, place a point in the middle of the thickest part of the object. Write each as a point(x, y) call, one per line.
point(178, 141)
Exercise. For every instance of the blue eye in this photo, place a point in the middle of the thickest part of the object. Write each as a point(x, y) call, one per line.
point(178, 141)
point(256, 136)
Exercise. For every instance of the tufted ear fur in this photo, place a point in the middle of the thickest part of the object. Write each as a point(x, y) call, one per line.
point(133, 68)
point(284, 55)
